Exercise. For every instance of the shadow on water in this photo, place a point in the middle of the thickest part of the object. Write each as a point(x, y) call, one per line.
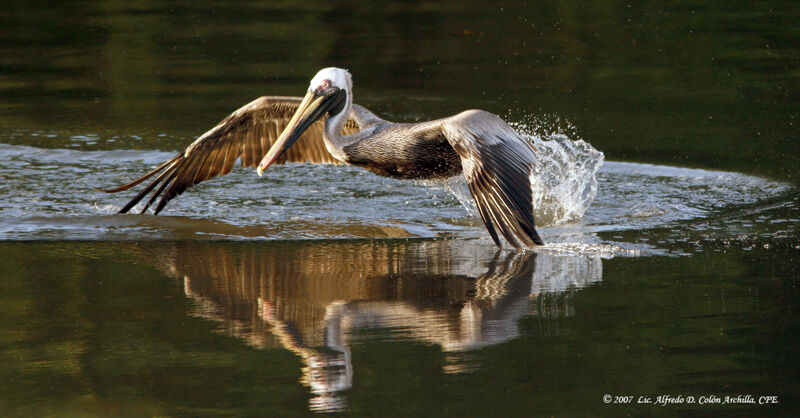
point(277, 327)
point(314, 299)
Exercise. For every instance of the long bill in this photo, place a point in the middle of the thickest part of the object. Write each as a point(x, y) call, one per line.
point(312, 108)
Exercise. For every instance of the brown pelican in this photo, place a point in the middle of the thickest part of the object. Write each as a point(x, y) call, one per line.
point(495, 159)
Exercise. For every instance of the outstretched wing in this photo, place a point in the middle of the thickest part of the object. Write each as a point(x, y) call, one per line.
point(497, 164)
point(247, 133)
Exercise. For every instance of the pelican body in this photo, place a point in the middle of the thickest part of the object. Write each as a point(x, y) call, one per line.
point(326, 126)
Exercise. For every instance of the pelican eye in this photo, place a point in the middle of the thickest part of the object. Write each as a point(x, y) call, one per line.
point(323, 87)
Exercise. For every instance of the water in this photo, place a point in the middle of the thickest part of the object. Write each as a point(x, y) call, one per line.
point(304, 201)
point(666, 191)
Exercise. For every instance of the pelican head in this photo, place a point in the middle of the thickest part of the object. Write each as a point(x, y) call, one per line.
point(328, 94)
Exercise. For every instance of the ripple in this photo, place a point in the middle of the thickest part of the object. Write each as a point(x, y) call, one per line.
point(51, 194)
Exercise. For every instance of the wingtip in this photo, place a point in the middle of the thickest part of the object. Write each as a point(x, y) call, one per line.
point(114, 190)
point(537, 239)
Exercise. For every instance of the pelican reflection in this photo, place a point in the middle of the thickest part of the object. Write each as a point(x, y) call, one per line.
point(316, 299)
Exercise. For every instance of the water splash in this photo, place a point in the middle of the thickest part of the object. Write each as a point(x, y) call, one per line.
point(563, 181)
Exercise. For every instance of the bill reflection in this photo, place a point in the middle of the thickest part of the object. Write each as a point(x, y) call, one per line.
point(317, 299)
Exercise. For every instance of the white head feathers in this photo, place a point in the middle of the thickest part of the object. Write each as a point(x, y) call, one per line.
point(337, 77)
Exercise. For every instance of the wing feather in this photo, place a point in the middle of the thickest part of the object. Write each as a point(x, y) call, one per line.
point(170, 175)
point(168, 172)
point(497, 164)
point(246, 134)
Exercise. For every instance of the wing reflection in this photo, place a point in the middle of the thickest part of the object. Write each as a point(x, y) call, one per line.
point(315, 298)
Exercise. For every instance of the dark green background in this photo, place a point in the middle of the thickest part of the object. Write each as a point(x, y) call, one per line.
point(711, 84)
